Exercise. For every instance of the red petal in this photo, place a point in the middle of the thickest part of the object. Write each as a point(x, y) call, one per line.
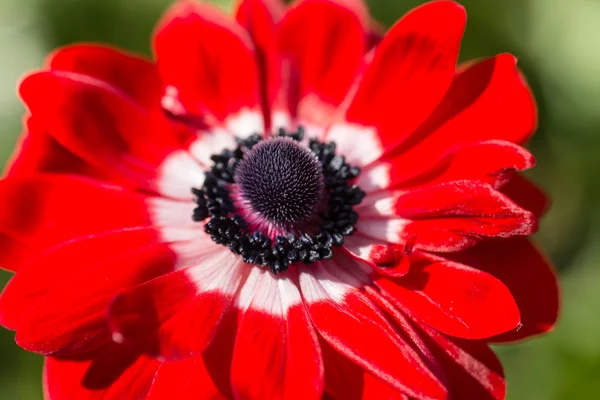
point(130, 75)
point(100, 126)
point(529, 276)
point(309, 32)
point(444, 217)
point(473, 370)
point(184, 380)
point(352, 325)
point(251, 13)
point(406, 328)
point(219, 355)
point(115, 373)
point(77, 308)
point(478, 207)
point(208, 61)
point(50, 269)
point(527, 195)
point(135, 76)
point(386, 259)
point(375, 389)
point(38, 152)
point(453, 298)
point(343, 378)
point(487, 101)
point(470, 368)
point(276, 354)
point(45, 210)
point(346, 380)
point(412, 69)
point(176, 315)
point(424, 234)
point(261, 19)
point(490, 93)
point(13, 254)
point(492, 162)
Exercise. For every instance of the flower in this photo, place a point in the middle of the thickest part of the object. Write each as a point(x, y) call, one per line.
point(284, 206)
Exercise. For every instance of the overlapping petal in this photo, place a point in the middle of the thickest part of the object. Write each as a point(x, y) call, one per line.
point(529, 276)
point(308, 33)
point(135, 76)
point(527, 195)
point(187, 379)
point(13, 253)
point(56, 324)
point(115, 372)
point(176, 315)
point(445, 217)
point(493, 161)
point(489, 100)
point(53, 267)
point(385, 258)
point(353, 326)
point(38, 153)
point(349, 381)
point(411, 70)
point(275, 336)
point(454, 298)
point(209, 66)
point(102, 126)
point(261, 19)
point(35, 208)
point(473, 370)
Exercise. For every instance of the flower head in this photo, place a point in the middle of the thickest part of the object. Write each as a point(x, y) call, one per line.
point(282, 206)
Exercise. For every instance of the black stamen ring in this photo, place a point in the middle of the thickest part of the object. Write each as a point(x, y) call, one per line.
point(229, 229)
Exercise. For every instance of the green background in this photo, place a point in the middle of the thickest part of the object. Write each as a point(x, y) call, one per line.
point(557, 44)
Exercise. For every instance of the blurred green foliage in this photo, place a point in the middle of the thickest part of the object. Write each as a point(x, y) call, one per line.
point(556, 43)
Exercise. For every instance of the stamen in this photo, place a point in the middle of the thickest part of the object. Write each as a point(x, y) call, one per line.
point(310, 234)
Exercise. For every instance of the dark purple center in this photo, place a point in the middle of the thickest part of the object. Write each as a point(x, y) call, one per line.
point(281, 180)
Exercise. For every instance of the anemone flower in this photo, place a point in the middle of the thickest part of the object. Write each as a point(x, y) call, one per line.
point(282, 205)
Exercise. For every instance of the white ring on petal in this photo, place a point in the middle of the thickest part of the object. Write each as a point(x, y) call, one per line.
point(220, 271)
point(178, 174)
point(375, 177)
point(359, 144)
point(320, 281)
point(245, 123)
point(268, 293)
point(280, 119)
point(386, 229)
point(211, 142)
point(165, 212)
point(378, 204)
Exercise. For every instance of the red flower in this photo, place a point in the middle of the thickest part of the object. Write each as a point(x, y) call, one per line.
point(157, 257)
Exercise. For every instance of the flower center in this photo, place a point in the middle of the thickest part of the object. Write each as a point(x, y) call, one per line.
point(281, 180)
point(279, 201)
